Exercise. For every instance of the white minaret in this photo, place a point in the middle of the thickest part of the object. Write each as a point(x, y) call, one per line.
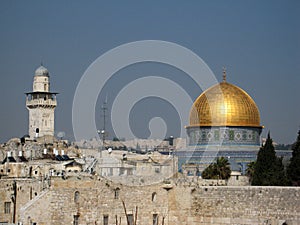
point(41, 104)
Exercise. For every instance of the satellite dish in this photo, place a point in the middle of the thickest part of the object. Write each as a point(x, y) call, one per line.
point(61, 134)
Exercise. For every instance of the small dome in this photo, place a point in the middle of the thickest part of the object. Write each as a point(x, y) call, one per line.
point(224, 104)
point(41, 71)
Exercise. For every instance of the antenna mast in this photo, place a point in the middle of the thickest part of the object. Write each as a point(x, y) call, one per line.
point(103, 132)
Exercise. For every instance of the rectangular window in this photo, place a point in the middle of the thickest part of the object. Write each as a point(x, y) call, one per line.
point(253, 135)
point(117, 193)
point(129, 171)
point(155, 219)
point(76, 220)
point(130, 219)
point(231, 135)
point(105, 220)
point(7, 207)
point(217, 135)
point(122, 171)
point(244, 136)
point(203, 136)
point(198, 141)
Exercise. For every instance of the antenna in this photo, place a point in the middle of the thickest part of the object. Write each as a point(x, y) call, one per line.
point(104, 109)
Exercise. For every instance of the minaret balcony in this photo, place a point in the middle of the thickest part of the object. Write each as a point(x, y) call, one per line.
point(41, 102)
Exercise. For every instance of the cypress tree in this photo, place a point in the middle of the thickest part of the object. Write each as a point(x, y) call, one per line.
point(268, 169)
point(294, 166)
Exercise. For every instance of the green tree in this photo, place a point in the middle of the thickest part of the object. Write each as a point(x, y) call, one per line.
point(294, 166)
point(209, 172)
point(269, 170)
point(218, 170)
point(116, 139)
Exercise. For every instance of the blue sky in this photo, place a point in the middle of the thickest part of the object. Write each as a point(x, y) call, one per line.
point(257, 41)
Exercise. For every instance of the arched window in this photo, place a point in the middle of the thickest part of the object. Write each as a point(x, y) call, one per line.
point(153, 197)
point(76, 196)
point(117, 193)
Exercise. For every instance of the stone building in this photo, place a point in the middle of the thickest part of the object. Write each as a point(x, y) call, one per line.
point(41, 104)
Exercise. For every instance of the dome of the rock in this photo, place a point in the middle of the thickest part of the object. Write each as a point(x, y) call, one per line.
point(224, 122)
point(224, 104)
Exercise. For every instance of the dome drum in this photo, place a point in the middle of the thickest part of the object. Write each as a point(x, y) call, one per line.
point(224, 135)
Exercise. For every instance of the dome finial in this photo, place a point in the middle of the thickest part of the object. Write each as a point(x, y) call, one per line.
point(224, 74)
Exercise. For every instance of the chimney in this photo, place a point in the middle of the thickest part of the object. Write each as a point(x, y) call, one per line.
point(20, 153)
point(9, 154)
point(45, 151)
point(62, 152)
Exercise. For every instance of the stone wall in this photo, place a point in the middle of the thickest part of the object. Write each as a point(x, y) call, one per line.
point(235, 205)
point(25, 191)
point(175, 203)
point(96, 199)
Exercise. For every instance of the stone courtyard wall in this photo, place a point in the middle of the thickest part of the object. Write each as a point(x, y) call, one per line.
point(174, 203)
point(235, 205)
point(96, 198)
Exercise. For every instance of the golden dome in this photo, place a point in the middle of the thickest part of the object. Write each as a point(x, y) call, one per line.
point(224, 104)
